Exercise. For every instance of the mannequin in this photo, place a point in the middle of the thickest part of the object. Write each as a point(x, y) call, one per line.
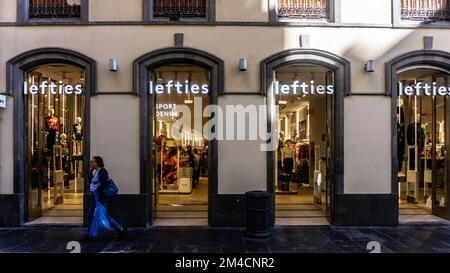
point(159, 141)
point(170, 167)
point(281, 137)
point(77, 130)
point(52, 128)
point(77, 136)
point(63, 140)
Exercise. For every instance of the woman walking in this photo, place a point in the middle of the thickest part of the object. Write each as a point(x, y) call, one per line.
point(99, 181)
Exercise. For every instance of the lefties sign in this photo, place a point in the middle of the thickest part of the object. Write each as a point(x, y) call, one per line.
point(52, 88)
point(423, 89)
point(178, 87)
point(297, 88)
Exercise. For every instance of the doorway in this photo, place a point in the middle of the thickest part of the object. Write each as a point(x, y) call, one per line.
point(303, 178)
point(422, 144)
point(181, 151)
point(55, 145)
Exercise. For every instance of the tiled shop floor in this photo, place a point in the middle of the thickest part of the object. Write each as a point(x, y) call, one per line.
point(430, 238)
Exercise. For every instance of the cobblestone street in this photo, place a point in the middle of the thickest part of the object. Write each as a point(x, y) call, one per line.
point(403, 239)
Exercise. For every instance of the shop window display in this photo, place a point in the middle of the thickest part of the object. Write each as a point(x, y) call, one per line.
point(303, 155)
point(421, 146)
point(54, 141)
point(181, 171)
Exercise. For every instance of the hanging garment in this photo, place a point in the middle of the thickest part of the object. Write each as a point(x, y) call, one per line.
point(77, 131)
point(400, 145)
point(51, 123)
point(411, 134)
point(51, 139)
point(52, 127)
point(420, 133)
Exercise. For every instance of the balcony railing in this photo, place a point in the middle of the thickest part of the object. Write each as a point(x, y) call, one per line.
point(66, 9)
point(178, 9)
point(303, 9)
point(422, 10)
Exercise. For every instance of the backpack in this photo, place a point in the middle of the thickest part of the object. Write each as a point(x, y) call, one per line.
point(111, 189)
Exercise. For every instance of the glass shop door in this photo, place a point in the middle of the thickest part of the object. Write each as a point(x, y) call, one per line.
point(329, 166)
point(440, 141)
point(34, 140)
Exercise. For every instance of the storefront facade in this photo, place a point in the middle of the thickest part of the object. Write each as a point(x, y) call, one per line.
point(348, 137)
point(435, 63)
point(340, 69)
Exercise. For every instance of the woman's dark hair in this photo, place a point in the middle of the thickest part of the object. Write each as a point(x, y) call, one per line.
point(99, 161)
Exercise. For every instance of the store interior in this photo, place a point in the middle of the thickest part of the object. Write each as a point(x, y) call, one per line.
point(55, 147)
point(181, 171)
point(420, 179)
point(303, 155)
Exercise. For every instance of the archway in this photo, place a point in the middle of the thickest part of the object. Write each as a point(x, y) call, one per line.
point(335, 72)
point(155, 66)
point(420, 124)
point(25, 69)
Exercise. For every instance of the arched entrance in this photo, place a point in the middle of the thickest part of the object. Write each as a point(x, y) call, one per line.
point(51, 132)
point(167, 162)
point(418, 83)
point(306, 170)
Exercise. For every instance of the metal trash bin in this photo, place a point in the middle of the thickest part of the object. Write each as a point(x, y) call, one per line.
point(259, 216)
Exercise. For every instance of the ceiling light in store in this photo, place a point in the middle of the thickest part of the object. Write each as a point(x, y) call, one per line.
point(189, 99)
point(284, 102)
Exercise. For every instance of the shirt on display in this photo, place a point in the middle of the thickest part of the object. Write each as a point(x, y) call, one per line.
point(77, 131)
point(288, 152)
point(51, 123)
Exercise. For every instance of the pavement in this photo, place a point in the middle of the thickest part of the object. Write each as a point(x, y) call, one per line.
point(318, 239)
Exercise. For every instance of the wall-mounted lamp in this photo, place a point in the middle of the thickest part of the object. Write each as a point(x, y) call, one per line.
point(2, 101)
point(243, 65)
point(370, 66)
point(113, 66)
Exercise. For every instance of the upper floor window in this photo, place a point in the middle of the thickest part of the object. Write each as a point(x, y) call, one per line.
point(177, 9)
point(303, 9)
point(180, 10)
point(425, 10)
point(55, 9)
point(52, 11)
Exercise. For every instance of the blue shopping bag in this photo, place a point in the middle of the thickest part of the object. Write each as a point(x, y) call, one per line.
point(100, 220)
